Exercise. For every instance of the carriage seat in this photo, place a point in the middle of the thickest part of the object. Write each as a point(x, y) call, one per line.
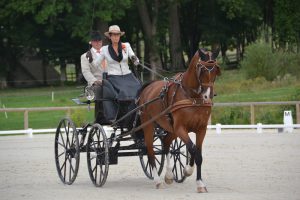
point(110, 105)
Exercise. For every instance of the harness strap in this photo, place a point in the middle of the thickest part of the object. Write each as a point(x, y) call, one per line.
point(196, 102)
point(148, 122)
point(135, 109)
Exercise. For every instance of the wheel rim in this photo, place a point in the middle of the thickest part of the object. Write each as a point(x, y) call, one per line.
point(97, 155)
point(180, 157)
point(67, 153)
point(159, 158)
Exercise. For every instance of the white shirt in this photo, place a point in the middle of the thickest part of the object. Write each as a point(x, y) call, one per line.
point(96, 52)
point(114, 67)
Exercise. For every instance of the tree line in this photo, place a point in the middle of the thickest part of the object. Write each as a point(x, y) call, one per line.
point(165, 34)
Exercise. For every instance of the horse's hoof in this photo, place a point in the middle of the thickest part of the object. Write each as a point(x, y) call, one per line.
point(202, 190)
point(188, 171)
point(160, 186)
point(168, 180)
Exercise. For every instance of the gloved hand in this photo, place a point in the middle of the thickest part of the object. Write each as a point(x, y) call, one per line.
point(135, 60)
point(97, 83)
point(89, 56)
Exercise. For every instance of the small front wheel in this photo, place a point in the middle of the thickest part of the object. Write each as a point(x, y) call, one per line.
point(67, 152)
point(97, 155)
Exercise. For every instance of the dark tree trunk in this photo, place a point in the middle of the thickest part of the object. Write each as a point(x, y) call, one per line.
point(175, 39)
point(78, 71)
point(149, 27)
point(44, 66)
point(102, 27)
point(63, 71)
point(191, 30)
point(268, 19)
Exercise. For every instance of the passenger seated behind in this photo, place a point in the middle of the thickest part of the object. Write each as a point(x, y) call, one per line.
point(93, 73)
point(125, 84)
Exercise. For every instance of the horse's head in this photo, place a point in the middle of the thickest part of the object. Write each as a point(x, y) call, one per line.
point(206, 70)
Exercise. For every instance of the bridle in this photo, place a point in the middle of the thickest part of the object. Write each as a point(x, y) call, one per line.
point(208, 66)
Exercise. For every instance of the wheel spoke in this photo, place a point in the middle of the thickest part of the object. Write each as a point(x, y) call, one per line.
point(94, 168)
point(63, 165)
point(71, 166)
point(65, 168)
point(96, 172)
point(61, 154)
point(62, 138)
point(60, 144)
point(157, 160)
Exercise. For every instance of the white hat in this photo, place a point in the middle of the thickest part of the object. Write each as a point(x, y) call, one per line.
point(114, 29)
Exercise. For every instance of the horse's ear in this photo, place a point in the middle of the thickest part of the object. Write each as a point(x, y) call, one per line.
point(215, 54)
point(202, 54)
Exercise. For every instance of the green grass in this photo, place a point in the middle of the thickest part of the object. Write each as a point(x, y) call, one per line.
point(230, 87)
point(38, 97)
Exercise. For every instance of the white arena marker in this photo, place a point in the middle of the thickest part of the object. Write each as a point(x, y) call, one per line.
point(30, 133)
point(5, 113)
point(218, 128)
point(259, 127)
point(288, 121)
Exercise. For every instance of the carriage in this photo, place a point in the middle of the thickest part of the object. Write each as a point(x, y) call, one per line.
point(104, 142)
point(155, 130)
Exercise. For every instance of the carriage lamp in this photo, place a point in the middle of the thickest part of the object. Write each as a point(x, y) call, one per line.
point(89, 93)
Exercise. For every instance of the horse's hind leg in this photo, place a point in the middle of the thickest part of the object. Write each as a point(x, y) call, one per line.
point(148, 134)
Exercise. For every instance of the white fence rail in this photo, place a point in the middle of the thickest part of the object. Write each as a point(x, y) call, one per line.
point(68, 109)
point(259, 128)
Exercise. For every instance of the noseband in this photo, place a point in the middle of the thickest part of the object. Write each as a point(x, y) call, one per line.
point(204, 65)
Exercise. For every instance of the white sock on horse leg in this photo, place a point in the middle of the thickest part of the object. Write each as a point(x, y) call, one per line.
point(200, 183)
point(188, 170)
point(157, 179)
point(169, 173)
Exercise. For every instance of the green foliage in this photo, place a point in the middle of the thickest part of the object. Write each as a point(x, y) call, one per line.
point(261, 61)
point(272, 114)
point(231, 115)
point(232, 8)
point(286, 22)
point(79, 117)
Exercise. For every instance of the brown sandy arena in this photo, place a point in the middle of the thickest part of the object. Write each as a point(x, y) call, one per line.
point(237, 165)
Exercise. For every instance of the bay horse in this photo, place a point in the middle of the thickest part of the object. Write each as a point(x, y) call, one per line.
point(185, 107)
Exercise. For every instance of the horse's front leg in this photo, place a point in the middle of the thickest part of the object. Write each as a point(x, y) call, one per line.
point(169, 177)
point(196, 150)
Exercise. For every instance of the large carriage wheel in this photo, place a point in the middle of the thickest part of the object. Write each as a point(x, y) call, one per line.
point(159, 157)
point(180, 157)
point(67, 152)
point(97, 155)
